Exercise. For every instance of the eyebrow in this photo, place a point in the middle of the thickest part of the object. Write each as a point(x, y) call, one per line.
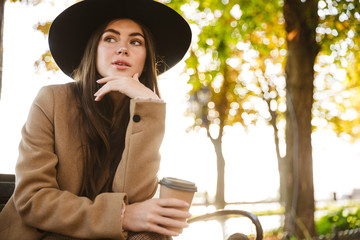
point(118, 33)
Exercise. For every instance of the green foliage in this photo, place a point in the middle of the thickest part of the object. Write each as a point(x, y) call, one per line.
point(34, 2)
point(235, 42)
point(228, 30)
point(343, 219)
point(339, 20)
point(43, 27)
point(46, 61)
point(338, 35)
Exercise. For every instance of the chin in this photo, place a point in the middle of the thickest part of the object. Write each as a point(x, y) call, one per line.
point(123, 74)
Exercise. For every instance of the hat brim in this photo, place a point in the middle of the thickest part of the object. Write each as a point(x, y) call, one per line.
point(71, 29)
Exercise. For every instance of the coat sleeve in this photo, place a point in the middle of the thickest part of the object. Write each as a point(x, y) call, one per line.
point(38, 199)
point(137, 172)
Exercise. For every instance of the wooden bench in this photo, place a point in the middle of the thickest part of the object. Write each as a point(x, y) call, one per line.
point(7, 186)
point(230, 213)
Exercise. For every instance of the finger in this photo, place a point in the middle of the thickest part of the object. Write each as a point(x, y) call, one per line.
point(172, 222)
point(102, 92)
point(174, 213)
point(162, 224)
point(173, 202)
point(163, 231)
point(98, 97)
point(167, 226)
point(136, 76)
point(104, 80)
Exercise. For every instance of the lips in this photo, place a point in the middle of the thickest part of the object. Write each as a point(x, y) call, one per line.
point(121, 63)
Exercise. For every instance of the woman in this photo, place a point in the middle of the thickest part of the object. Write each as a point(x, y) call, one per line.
point(89, 154)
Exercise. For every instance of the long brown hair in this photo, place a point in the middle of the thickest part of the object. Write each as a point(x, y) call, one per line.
point(96, 118)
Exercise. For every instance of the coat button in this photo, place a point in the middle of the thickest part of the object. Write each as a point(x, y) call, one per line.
point(136, 118)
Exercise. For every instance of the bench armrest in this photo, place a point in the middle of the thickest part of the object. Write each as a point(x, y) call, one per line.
point(254, 219)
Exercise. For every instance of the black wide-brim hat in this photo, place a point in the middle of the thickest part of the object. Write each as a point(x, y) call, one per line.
point(71, 30)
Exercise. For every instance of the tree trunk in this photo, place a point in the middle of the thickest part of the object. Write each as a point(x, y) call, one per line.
point(2, 6)
point(281, 160)
point(220, 185)
point(217, 142)
point(301, 21)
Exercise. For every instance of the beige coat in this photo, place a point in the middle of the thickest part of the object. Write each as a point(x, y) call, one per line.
point(49, 170)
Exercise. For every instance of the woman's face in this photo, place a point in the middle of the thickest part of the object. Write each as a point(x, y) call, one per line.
point(121, 50)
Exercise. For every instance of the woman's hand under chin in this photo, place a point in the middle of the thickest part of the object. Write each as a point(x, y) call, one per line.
point(130, 86)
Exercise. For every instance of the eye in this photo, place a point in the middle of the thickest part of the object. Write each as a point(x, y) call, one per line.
point(136, 42)
point(109, 39)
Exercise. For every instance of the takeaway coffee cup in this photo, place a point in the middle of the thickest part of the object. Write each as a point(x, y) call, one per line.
point(180, 189)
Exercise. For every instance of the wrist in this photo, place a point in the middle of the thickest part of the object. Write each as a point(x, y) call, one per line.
point(123, 228)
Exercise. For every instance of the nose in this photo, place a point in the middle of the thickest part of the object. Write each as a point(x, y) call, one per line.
point(122, 50)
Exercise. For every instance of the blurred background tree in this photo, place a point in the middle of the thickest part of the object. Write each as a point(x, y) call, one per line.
point(2, 5)
point(338, 67)
point(235, 76)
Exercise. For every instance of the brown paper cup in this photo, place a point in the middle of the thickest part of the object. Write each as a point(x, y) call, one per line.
point(180, 189)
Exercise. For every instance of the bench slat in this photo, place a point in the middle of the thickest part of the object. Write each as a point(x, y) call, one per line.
point(6, 190)
point(7, 178)
point(7, 186)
